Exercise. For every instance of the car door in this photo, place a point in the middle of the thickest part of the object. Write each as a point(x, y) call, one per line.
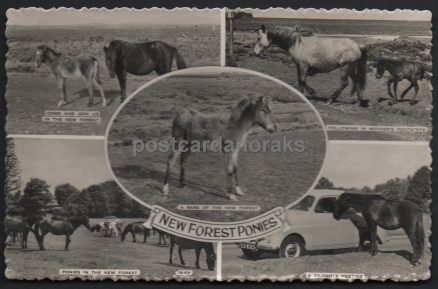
point(328, 232)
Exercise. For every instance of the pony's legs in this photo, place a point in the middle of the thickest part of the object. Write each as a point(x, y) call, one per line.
point(170, 164)
point(172, 243)
point(67, 241)
point(372, 227)
point(134, 239)
point(145, 236)
point(62, 90)
point(302, 80)
point(300, 87)
point(24, 239)
point(198, 253)
point(390, 81)
point(121, 76)
point(414, 243)
point(229, 170)
point(180, 255)
point(97, 83)
point(184, 157)
point(90, 92)
point(344, 83)
point(394, 86)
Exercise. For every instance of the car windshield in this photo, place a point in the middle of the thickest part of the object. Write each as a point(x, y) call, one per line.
point(304, 205)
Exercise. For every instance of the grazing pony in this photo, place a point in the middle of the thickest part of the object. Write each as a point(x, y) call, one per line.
point(198, 246)
point(191, 125)
point(401, 69)
point(16, 225)
point(123, 57)
point(59, 227)
point(388, 214)
point(134, 228)
point(313, 55)
point(63, 67)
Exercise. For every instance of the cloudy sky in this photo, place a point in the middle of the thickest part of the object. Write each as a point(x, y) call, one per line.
point(345, 14)
point(64, 16)
point(369, 164)
point(78, 162)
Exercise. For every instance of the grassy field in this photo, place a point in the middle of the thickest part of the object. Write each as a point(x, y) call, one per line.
point(392, 262)
point(270, 179)
point(31, 91)
point(378, 108)
point(93, 251)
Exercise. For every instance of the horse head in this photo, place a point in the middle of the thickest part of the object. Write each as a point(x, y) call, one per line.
point(41, 54)
point(81, 220)
point(113, 52)
point(263, 41)
point(342, 204)
point(263, 114)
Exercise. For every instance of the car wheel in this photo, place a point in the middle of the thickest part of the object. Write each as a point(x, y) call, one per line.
point(252, 254)
point(292, 247)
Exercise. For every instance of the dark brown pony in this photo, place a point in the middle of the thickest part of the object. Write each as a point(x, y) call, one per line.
point(63, 67)
point(135, 228)
point(388, 214)
point(400, 69)
point(197, 246)
point(122, 57)
point(16, 225)
point(59, 227)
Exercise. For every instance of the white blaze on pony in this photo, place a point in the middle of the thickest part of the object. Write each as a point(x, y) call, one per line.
point(312, 55)
point(63, 67)
point(190, 125)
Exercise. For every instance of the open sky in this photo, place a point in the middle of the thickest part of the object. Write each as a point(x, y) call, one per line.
point(57, 161)
point(397, 14)
point(85, 16)
point(368, 164)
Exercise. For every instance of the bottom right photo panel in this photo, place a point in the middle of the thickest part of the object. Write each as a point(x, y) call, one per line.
point(367, 218)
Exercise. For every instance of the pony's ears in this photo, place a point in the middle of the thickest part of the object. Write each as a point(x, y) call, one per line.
point(263, 28)
point(262, 100)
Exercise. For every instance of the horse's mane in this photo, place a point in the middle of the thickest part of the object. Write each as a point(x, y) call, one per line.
point(239, 109)
point(47, 48)
point(285, 38)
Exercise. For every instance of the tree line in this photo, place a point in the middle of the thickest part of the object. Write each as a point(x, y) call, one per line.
point(415, 188)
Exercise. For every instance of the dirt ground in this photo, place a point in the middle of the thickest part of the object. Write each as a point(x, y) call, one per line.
point(390, 263)
point(377, 110)
point(93, 251)
point(269, 178)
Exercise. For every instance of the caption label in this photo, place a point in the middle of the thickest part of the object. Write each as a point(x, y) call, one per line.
point(206, 231)
point(99, 272)
point(71, 116)
point(218, 208)
point(335, 276)
point(379, 128)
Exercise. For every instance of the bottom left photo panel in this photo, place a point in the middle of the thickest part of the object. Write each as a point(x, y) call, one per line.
point(67, 218)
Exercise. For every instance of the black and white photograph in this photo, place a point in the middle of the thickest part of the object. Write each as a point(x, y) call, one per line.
point(339, 226)
point(369, 68)
point(65, 213)
point(68, 70)
point(216, 136)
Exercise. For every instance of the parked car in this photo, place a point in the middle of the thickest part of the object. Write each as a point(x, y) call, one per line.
point(311, 226)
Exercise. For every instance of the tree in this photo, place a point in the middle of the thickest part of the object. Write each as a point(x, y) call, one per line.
point(418, 188)
point(36, 197)
point(394, 189)
point(324, 183)
point(13, 179)
point(62, 192)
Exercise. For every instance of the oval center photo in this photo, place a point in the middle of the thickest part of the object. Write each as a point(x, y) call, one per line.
point(216, 143)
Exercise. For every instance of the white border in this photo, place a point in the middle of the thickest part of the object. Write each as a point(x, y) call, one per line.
point(199, 71)
point(54, 136)
point(223, 37)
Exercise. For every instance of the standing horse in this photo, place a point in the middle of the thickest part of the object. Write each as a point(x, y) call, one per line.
point(59, 227)
point(16, 225)
point(388, 214)
point(123, 57)
point(134, 228)
point(191, 125)
point(63, 67)
point(198, 246)
point(399, 70)
point(313, 55)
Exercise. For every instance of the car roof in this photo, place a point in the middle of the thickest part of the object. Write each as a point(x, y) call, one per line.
point(326, 192)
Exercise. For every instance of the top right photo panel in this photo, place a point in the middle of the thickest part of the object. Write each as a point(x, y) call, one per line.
point(368, 73)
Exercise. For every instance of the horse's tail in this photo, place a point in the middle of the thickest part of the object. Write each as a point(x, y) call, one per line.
point(361, 72)
point(96, 69)
point(180, 63)
point(420, 234)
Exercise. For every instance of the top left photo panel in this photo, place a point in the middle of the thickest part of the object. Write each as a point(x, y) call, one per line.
point(68, 70)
